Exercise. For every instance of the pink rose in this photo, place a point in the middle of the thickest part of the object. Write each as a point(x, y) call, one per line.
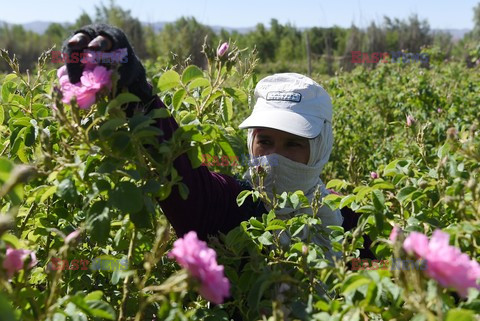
point(201, 262)
point(14, 260)
point(445, 263)
point(93, 79)
point(410, 120)
point(96, 79)
point(85, 97)
point(72, 236)
point(222, 49)
point(373, 175)
point(62, 71)
point(394, 234)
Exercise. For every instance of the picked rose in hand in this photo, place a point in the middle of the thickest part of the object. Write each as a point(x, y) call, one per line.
point(94, 78)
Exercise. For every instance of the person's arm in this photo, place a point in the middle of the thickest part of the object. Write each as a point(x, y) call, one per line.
point(211, 204)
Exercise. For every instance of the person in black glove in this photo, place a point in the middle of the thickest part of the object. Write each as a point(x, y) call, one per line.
point(106, 38)
point(211, 205)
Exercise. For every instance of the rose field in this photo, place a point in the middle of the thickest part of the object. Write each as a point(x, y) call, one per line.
point(83, 237)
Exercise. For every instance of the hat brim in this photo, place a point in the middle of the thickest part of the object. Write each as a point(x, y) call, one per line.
point(284, 120)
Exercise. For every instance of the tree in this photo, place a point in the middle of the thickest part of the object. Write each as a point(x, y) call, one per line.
point(410, 36)
point(55, 34)
point(289, 43)
point(375, 39)
point(262, 40)
point(184, 38)
point(354, 43)
point(81, 21)
point(123, 19)
point(476, 21)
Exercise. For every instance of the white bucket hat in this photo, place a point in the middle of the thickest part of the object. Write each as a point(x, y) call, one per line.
point(292, 103)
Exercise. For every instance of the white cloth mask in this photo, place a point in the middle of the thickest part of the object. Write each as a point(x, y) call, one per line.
point(286, 175)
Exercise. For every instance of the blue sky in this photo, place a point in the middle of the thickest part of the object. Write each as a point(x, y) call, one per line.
point(441, 14)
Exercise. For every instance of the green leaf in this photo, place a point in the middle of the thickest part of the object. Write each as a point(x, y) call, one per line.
point(22, 122)
point(178, 98)
point(354, 282)
point(238, 95)
point(261, 284)
point(195, 156)
point(122, 99)
point(67, 190)
point(142, 219)
point(405, 193)
point(378, 200)
point(8, 88)
point(299, 228)
point(225, 146)
point(49, 192)
point(22, 153)
point(170, 79)
point(190, 73)
point(107, 129)
point(266, 238)
point(378, 203)
point(332, 200)
point(127, 197)
point(335, 184)
point(295, 200)
point(390, 168)
point(98, 222)
point(139, 121)
point(120, 142)
point(6, 166)
point(101, 309)
point(12, 240)
point(199, 82)
point(383, 185)
point(276, 225)
point(95, 295)
point(227, 109)
point(183, 190)
point(257, 224)
point(6, 310)
point(188, 118)
point(10, 77)
point(361, 192)
point(159, 113)
point(347, 200)
point(460, 315)
point(2, 115)
point(242, 196)
point(217, 94)
point(29, 138)
point(59, 317)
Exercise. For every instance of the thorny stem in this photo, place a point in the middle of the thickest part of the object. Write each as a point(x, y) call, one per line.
point(123, 304)
point(152, 259)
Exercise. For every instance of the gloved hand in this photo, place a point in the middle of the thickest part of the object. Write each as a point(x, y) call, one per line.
point(105, 38)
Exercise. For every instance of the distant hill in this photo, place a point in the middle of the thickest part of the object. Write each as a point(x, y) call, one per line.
point(36, 26)
point(41, 26)
point(457, 34)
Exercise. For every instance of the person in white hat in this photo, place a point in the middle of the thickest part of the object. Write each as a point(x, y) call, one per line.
point(290, 129)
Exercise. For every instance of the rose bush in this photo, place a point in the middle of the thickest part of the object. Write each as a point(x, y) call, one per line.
point(78, 183)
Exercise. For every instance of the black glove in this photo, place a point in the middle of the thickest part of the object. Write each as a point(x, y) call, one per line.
point(105, 38)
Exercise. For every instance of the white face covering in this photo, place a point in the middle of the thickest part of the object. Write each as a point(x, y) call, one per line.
point(286, 175)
